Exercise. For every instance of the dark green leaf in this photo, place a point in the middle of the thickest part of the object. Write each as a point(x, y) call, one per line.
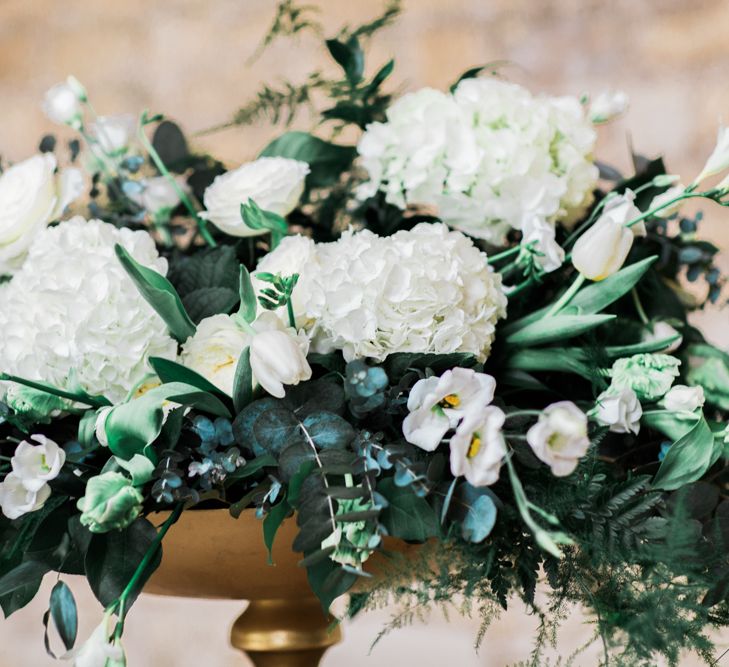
point(171, 371)
point(247, 296)
point(64, 614)
point(276, 429)
point(243, 381)
point(272, 522)
point(557, 327)
point(171, 145)
point(209, 301)
point(407, 516)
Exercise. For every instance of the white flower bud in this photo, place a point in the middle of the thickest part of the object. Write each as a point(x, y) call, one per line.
point(603, 248)
point(274, 183)
point(620, 410)
point(662, 331)
point(559, 438)
point(608, 105)
point(681, 398)
point(664, 198)
point(100, 649)
point(719, 159)
point(114, 133)
point(62, 102)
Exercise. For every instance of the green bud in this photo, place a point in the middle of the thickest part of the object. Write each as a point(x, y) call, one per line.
point(38, 406)
point(650, 376)
point(110, 503)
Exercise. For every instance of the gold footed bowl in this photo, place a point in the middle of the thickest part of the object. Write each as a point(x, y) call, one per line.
point(209, 554)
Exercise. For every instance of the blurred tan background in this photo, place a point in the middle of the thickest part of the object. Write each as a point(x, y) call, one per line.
point(188, 60)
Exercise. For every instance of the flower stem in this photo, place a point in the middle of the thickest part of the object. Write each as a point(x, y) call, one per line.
point(639, 306)
point(200, 222)
point(503, 255)
point(567, 296)
point(290, 311)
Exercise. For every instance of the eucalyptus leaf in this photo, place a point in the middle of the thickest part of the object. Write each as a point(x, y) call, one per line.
point(407, 516)
point(272, 522)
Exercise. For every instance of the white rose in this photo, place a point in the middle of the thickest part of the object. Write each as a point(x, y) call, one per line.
point(31, 195)
point(278, 355)
point(604, 247)
point(274, 183)
point(478, 447)
point(100, 649)
point(16, 499)
point(681, 398)
point(559, 438)
point(213, 351)
point(719, 159)
point(436, 404)
point(62, 103)
point(608, 105)
point(156, 194)
point(620, 410)
point(662, 331)
point(114, 133)
point(36, 464)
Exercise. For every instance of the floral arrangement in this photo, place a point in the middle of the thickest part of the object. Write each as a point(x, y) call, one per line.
point(462, 331)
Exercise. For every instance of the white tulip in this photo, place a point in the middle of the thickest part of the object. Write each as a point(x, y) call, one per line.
point(559, 438)
point(608, 105)
point(274, 183)
point(604, 247)
point(664, 198)
point(278, 355)
point(662, 331)
point(100, 649)
point(114, 133)
point(681, 398)
point(62, 103)
point(31, 196)
point(478, 447)
point(16, 499)
point(620, 410)
point(437, 404)
point(36, 464)
point(719, 159)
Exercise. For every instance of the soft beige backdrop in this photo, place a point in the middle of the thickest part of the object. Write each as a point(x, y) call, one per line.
point(187, 59)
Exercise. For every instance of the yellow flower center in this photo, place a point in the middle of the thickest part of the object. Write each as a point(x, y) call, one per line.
point(475, 446)
point(450, 401)
point(230, 360)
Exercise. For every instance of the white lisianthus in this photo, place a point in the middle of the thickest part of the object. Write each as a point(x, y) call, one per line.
point(719, 159)
point(274, 183)
point(682, 398)
point(31, 195)
point(548, 253)
point(100, 649)
point(37, 462)
point(559, 438)
point(437, 404)
point(620, 410)
point(608, 105)
point(278, 353)
point(114, 133)
point(664, 198)
point(370, 296)
point(72, 317)
point(478, 446)
point(157, 194)
point(62, 102)
point(16, 499)
point(662, 331)
point(604, 247)
point(488, 158)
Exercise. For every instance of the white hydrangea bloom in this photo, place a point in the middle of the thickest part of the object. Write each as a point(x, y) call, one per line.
point(490, 157)
point(371, 296)
point(71, 315)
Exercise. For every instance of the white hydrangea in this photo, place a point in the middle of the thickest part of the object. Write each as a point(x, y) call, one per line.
point(424, 290)
point(490, 157)
point(71, 315)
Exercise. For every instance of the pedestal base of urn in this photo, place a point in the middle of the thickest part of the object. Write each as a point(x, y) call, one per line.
point(284, 633)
